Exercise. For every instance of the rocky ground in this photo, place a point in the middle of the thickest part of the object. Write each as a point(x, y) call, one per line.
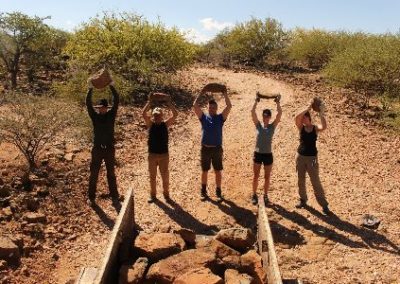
point(51, 230)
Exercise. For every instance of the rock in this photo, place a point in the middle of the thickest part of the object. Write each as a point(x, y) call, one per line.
point(33, 217)
point(18, 240)
point(32, 204)
point(233, 276)
point(237, 238)
point(5, 191)
point(69, 157)
point(158, 245)
point(3, 265)
point(221, 250)
point(6, 214)
point(35, 180)
point(9, 251)
point(187, 235)
point(42, 191)
point(251, 263)
point(231, 261)
point(167, 270)
point(200, 275)
point(133, 274)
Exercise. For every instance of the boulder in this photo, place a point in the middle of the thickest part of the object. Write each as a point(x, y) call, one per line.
point(33, 217)
point(220, 249)
point(9, 251)
point(240, 239)
point(251, 263)
point(133, 274)
point(200, 275)
point(233, 276)
point(167, 270)
point(187, 235)
point(157, 246)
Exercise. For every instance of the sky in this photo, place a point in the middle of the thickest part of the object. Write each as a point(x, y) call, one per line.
point(202, 20)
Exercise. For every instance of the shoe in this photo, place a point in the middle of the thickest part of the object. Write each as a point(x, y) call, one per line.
point(167, 197)
point(301, 204)
point(326, 210)
point(254, 199)
point(204, 195)
point(218, 193)
point(151, 199)
point(266, 200)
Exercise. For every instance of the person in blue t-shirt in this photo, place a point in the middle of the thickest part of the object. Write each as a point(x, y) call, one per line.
point(263, 149)
point(211, 141)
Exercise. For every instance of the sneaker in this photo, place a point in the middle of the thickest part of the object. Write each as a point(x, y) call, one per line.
point(167, 197)
point(254, 199)
point(151, 199)
point(301, 204)
point(204, 195)
point(218, 193)
point(266, 200)
point(326, 210)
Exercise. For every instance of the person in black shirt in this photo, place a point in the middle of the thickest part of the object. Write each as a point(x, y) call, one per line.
point(103, 142)
point(307, 159)
point(158, 144)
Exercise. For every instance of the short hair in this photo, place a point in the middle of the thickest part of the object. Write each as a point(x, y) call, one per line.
point(212, 102)
point(267, 112)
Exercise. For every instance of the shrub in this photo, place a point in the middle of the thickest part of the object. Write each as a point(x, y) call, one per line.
point(31, 123)
point(371, 65)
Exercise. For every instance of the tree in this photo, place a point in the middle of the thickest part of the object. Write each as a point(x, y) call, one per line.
point(31, 123)
point(19, 34)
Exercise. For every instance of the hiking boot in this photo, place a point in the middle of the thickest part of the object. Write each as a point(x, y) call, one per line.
point(218, 193)
point(326, 210)
point(254, 199)
point(301, 204)
point(204, 195)
point(151, 199)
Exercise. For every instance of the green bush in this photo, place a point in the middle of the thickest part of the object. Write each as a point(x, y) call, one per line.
point(248, 43)
point(135, 50)
point(315, 48)
point(371, 65)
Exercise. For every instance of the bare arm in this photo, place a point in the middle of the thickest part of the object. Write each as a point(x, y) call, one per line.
point(172, 119)
point(228, 107)
point(196, 107)
point(145, 113)
point(299, 117)
point(253, 112)
point(278, 114)
point(323, 125)
point(89, 104)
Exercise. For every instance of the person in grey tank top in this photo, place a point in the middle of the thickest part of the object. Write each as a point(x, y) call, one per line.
point(263, 149)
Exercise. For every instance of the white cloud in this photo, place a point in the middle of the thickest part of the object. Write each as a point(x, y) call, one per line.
point(196, 36)
point(211, 24)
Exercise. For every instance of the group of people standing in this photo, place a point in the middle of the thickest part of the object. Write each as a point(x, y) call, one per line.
point(211, 153)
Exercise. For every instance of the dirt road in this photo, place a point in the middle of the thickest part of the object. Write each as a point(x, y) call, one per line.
point(359, 170)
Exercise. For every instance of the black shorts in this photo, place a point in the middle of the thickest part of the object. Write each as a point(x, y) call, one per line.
point(211, 155)
point(265, 159)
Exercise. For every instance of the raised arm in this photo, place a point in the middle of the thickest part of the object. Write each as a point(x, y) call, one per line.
point(172, 119)
point(89, 104)
point(196, 107)
point(115, 98)
point(145, 112)
point(299, 117)
point(278, 112)
point(228, 107)
point(253, 112)
point(323, 125)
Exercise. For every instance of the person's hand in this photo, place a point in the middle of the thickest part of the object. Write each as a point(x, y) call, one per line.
point(322, 109)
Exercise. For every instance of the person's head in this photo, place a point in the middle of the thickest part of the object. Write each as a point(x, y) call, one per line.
point(266, 114)
point(157, 115)
point(212, 107)
point(307, 118)
point(102, 106)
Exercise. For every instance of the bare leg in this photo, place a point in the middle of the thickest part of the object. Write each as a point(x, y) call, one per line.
point(256, 170)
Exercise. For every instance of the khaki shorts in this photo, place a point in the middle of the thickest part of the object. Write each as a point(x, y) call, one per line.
point(211, 155)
